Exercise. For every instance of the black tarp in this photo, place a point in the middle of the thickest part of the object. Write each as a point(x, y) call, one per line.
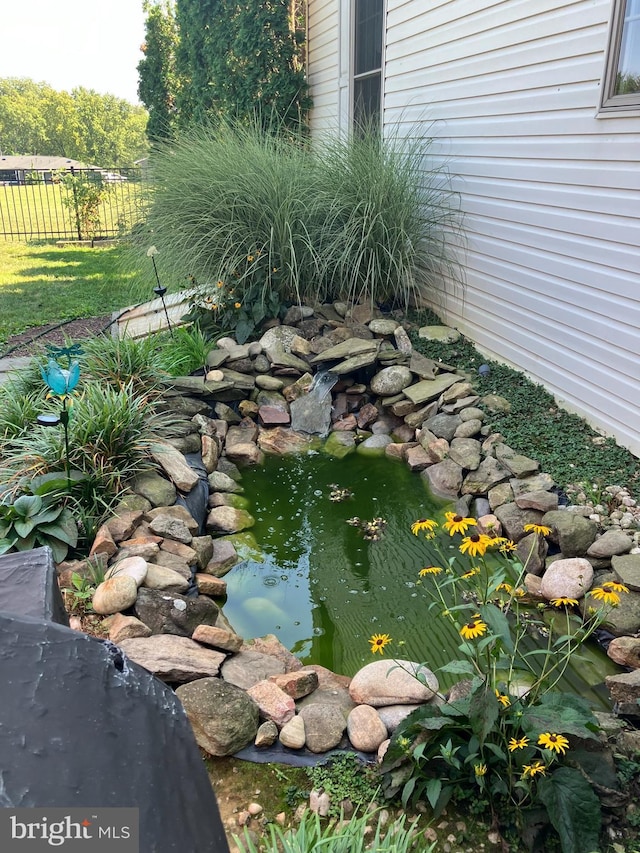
point(80, 725)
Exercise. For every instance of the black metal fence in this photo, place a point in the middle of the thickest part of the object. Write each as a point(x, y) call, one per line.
point(72, 204)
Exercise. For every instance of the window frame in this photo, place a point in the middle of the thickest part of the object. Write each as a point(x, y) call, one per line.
point(366, 75)
point(611, 104)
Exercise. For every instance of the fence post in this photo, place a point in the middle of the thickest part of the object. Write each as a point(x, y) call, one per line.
point(75, 202)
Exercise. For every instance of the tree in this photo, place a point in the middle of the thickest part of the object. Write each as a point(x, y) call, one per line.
point(82, 125)
point(158, 79)
point(239, 60)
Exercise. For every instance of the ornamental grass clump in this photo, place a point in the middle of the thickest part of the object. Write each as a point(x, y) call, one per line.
point(504, 742)
point(257, 220)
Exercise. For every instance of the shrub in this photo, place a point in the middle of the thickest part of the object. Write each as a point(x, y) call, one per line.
point(252, 215)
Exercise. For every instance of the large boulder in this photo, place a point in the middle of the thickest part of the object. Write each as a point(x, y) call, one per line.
point(393, 682)
point(223, 717)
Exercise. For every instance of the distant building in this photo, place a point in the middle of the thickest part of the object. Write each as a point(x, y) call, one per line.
point(19, 168)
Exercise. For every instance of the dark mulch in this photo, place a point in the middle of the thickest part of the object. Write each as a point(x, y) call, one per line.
point(35, 339)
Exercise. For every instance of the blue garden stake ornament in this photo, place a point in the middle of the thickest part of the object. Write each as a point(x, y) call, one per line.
point(62, 382)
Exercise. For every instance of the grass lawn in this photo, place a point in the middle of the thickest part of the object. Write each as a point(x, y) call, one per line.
point(41, 283)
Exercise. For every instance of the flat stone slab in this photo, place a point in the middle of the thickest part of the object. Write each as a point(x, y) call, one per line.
point(430, 389)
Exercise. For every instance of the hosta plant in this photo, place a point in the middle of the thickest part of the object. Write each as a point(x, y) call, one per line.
point(31, 521)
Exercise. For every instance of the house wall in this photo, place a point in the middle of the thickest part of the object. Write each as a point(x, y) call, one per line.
point(550, 192)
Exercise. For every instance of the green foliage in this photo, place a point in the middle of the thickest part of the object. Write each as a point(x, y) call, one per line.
point(184, 351)
point(110, 432)
point(95, 129)
point(121, 362)
point(562, 442)
point(239, 61)
point(85, 194)
point(158, 79)
point(264, 218)
point(344, 777)
point(573, 809)
point(221, 313)
point(383, 238)
point(31, 521)
point(501, 741)
point(362, 832)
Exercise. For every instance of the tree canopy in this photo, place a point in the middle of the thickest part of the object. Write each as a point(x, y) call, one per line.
point(208, 59)
point(100, 130)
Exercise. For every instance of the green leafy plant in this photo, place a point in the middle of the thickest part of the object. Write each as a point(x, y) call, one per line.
point(223, 313)
point(503, 738)
point(29, 521)
point(344, 777)
point(86, 192)
point(364, 831)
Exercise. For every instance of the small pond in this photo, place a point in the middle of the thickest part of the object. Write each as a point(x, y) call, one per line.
point(323, 589)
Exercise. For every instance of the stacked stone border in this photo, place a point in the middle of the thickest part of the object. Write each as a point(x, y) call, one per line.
point(165, 573)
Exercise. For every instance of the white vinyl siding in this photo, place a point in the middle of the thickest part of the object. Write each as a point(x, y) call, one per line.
point(323, 63)
point(509, 90)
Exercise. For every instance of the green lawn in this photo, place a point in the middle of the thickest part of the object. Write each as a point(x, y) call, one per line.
point(41, 283)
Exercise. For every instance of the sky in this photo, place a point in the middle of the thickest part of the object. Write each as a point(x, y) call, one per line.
point(70, 43)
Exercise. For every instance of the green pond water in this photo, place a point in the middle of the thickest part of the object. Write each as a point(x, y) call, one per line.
point(323, 590)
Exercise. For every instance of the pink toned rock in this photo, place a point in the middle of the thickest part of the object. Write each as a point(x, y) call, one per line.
point(210, 453)
point(210, 585)
point(211, 635)
point(393, 682)
point(122, 525)
point(174, 465)
point(246, 454)
point(126, 628)
point(282, 441)
point(141, 546)
point(103, 543)
point(570, 578)
point(297, 684)
point(533, 584)
point(418, 459)
point(114, 595)
point(273, 416)
point(179, 549)
point(365, 729)
point(274, 703)
point(270, 645)
point(489, 525)
point(223, 559)
point(345, 424)
point(367, 415)
point(625, 651)
point(438, 450)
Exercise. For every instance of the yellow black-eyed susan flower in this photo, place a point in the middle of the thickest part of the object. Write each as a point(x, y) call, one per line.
point(457, 524)
point(427, 524)
point(554, 742)
point(473, 629)
point(378, 642)
point(540, 529)
point(518, 743)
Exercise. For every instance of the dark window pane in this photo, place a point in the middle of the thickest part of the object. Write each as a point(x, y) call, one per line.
point(366, 101)
point(368, 35)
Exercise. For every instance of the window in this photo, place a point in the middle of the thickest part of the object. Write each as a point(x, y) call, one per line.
point(367, 62)
point(621, 88)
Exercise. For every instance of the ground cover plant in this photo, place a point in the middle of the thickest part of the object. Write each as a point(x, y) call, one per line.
point(564, 443)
